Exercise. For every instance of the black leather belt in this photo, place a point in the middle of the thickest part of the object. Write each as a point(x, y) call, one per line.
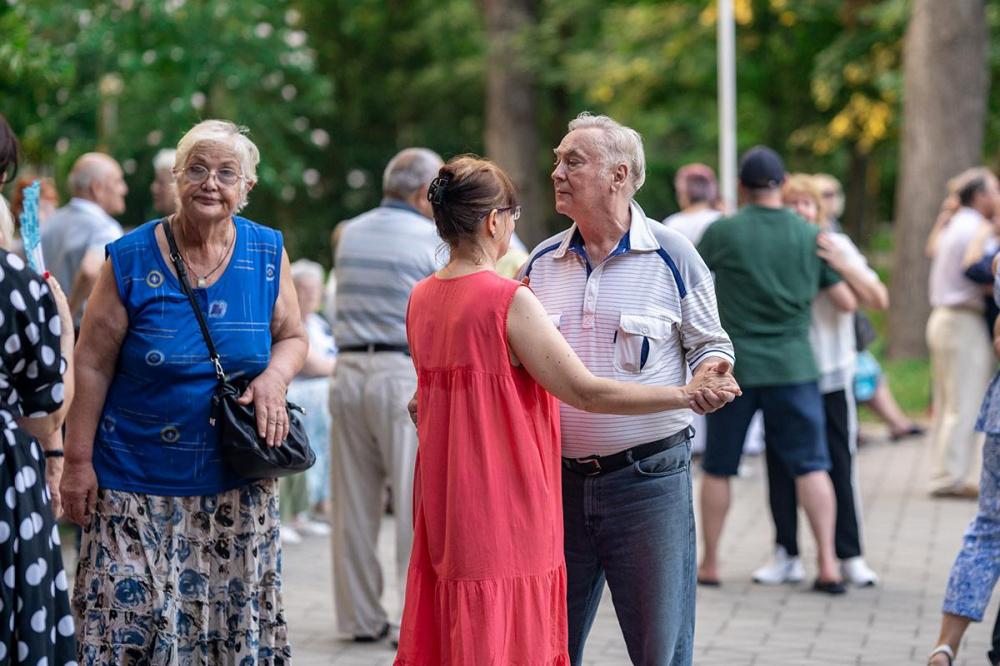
point(377, 347)
point(596, 465)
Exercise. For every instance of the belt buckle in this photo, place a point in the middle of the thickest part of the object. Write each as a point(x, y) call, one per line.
point(593, 462)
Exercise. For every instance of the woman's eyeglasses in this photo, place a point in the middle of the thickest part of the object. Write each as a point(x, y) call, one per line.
point(197, 174)
point(515, 212)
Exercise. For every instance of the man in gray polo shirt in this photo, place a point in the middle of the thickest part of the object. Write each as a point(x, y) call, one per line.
point(74, 237)
point(379, 256)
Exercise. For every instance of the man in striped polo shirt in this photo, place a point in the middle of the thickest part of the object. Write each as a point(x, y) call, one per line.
point(379, 256)
point(636, 303)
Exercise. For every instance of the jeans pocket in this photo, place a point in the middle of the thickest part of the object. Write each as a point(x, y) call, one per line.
point(665, 463)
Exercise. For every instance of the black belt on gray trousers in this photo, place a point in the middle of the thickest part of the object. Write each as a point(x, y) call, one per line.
point(595, 465)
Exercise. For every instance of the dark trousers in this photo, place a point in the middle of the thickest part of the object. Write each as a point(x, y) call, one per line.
point(994, 654)
point(781, 484)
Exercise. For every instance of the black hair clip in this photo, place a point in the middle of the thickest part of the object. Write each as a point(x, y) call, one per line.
point(435, 193)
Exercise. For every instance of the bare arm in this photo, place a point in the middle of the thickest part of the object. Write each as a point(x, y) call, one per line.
point(948, 208)
point(996, 337)
point(318, 363)
point(842, 297)
point(54, 470)
point(848, 262)
point(976, 248)
point(86, 278)
point(101, 335)
point(42, 427)
point(288, 352)
point(544, 353)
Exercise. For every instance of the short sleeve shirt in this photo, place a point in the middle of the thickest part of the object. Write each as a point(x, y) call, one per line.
point(645, 314)
point(381, 255)
point(767, 274)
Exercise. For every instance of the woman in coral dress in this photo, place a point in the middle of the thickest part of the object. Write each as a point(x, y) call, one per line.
point(487, 579)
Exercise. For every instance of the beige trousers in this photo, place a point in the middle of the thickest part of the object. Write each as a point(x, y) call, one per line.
point(373, 442)
point(961, 364)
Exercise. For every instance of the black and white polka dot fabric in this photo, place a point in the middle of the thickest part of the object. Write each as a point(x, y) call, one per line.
point(36, 626)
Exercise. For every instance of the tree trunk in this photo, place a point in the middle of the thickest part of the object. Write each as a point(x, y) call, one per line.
point(944, 111)
point(856, 197)
point(512, 139)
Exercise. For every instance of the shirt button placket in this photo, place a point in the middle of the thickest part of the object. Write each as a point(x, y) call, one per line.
point(590, 300)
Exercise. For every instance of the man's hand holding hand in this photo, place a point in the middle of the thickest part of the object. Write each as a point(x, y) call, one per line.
point(712, 386)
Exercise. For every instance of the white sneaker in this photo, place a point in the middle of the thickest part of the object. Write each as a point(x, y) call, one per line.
point(312, 528)
point(857, 572)
point(289, 535)
point(781, 569)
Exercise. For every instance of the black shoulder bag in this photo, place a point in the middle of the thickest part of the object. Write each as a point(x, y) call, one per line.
point(242, 448)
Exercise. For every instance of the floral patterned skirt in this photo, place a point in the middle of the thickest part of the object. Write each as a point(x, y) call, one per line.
point(182, 580)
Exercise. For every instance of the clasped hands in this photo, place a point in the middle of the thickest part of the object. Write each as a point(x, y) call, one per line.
point(712, 387)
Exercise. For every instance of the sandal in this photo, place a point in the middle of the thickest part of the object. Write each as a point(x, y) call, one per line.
point(945, 650)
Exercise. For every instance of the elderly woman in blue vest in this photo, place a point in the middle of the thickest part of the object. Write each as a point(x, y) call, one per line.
point(180, 560)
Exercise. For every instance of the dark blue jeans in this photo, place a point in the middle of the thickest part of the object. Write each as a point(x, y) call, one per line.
point(634, 528)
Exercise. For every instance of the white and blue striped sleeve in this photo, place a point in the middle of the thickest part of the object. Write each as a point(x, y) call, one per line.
point(701, 333)
point(702, 336)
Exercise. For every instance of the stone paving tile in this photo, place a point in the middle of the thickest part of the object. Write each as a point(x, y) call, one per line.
point(911, 541)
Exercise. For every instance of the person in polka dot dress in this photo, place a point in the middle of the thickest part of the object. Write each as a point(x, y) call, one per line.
point(36, 626)
point(36, 388)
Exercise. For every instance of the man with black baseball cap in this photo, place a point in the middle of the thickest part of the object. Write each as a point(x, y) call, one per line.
point(767, 273)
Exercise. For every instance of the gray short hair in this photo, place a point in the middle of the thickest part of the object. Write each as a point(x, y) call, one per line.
point(231, 135)
point(305, 268)
point(621, 145)
point(165, 160)
point(410, 171)
point(89, 168)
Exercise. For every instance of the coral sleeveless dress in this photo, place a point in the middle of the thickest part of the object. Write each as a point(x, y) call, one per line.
point(487, 579)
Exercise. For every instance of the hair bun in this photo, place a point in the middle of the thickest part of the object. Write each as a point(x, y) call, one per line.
point(437, 189)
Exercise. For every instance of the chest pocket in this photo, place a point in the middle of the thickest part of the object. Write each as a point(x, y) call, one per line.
point(640, 342)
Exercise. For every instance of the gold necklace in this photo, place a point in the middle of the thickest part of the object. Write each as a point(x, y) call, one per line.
point(203, 279)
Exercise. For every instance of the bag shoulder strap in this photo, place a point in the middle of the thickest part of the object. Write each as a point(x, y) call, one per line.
point(178, 261)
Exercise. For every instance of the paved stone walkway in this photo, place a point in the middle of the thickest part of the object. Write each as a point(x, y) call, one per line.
point(911, 542)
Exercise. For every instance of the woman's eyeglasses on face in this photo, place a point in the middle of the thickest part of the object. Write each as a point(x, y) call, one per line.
point(197, 174)
point(515, 212)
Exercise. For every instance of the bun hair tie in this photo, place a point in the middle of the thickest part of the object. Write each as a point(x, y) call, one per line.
point(437, 189)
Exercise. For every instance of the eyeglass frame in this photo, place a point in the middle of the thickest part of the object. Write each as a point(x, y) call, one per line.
point(208, 174)
point(514, 216)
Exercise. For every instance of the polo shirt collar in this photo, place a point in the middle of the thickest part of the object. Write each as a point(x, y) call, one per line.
point(639, 238)
point(90, 207)
point(389, 202)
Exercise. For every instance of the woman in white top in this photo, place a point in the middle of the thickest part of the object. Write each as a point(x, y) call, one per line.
point(309, 389)
point(832, 336)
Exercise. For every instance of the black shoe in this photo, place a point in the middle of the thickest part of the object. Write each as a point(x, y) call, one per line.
point(829, 586)
point(382, 633)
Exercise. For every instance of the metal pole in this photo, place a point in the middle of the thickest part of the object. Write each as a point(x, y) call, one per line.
point(727, 103)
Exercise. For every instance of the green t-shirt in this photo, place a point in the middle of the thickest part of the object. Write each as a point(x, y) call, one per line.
point(766, 276)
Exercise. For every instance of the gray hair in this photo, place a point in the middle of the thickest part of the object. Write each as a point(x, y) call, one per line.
point(88, 169)
point(410, 171)
point(304, 268)
point(232, 136)
point(621, 145)
point(165, 160)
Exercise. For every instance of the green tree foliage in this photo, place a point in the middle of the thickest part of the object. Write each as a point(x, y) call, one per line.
point(131, 77)
point(332, 88)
